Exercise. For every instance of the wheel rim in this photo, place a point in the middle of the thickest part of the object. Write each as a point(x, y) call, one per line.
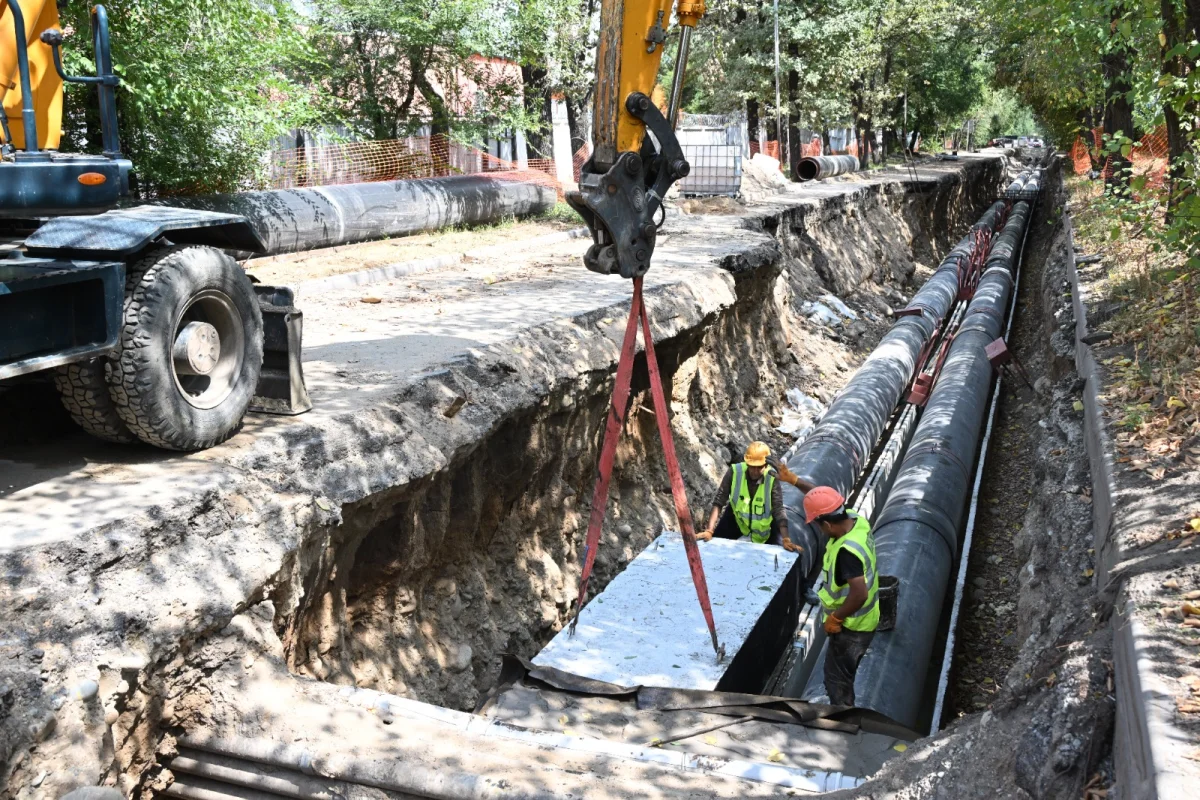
point(218, 316)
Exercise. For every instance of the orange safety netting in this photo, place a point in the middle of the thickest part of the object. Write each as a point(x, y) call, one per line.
point(1149, 156)
point(398, 159)
point(579, 159)
point(812, 149)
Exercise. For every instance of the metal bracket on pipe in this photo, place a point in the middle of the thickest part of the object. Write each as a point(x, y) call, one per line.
point(1000, 357)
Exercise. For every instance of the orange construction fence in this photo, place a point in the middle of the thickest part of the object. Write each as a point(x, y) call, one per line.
point(1149, 156)
point(398, 159)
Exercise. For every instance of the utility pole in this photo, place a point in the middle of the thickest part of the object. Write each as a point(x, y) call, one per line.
point(778, 113)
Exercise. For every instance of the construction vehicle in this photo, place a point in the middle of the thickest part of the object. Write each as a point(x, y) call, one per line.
point(152, 331)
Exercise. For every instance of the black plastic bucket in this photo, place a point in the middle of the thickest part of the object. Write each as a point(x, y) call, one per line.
point(888, 596)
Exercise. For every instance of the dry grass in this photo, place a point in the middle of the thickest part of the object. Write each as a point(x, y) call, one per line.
point(1153, 359)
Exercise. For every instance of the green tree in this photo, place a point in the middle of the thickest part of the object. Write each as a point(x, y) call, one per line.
point(205, 88)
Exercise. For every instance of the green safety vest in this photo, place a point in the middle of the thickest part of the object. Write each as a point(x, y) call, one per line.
point(861, 542)
point(753, 515)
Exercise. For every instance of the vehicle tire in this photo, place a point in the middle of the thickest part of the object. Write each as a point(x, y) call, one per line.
point(84, 392)
point(200, 300)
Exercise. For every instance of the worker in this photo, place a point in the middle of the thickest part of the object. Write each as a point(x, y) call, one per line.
point(752, 499)
point(850, 589)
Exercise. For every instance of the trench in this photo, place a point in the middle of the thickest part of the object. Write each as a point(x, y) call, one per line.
point(420, 589)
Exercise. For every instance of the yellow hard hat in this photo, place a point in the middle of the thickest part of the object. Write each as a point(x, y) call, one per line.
point(756, 454)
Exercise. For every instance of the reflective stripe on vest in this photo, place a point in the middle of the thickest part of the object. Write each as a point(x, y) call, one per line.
point(861, 542)
point(753, 516)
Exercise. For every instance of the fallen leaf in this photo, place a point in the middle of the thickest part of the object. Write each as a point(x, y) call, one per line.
point(323, 504)
point(1175, 402)
point(1087, 573)
point(1187, 705)
point(775, 756)
point(1170, 583)
point(1077, 405)
point(563, 720)
point(1194, 524)
point(1157, 474)
point(371, 300)
point(1191, 622)
point(1192, 595)
point(710, 740)
point(1190, 610)
point(899, 747)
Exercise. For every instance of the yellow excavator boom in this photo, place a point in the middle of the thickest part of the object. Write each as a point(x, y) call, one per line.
point(632, 33)
point(47, 86)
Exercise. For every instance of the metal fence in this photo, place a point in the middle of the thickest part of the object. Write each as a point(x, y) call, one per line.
point(716, 169)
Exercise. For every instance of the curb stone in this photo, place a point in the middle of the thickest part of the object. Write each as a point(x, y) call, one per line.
point(1145, 734)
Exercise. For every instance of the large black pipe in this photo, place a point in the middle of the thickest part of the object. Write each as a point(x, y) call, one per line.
point(814, 168)
point(916, 534)
point(293, 220)
point(836, 451)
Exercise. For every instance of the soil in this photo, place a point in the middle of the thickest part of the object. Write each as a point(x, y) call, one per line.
point(295, 267)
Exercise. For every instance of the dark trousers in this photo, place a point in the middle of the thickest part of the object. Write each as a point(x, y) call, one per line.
point(845, 650)
point(727, 528)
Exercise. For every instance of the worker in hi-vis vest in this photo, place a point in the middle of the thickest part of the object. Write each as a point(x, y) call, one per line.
point(752, 499)
point(849, 593)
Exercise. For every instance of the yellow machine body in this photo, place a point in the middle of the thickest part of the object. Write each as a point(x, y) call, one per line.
point(624, 65)
point(47, 86)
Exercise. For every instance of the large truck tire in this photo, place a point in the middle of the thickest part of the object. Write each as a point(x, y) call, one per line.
point(190, 348)
point(83, 388)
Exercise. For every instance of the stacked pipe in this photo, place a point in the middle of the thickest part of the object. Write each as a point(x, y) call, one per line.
point(916, 534)
point(814, 168)
point(836, 451)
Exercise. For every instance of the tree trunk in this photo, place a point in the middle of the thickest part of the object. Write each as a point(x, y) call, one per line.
point(537, 105)
point(1172, 67)
point(793, 127)
point(1118, 113)
point(752, 118)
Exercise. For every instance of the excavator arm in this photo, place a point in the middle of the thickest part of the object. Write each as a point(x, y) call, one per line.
point(45, 85)
point(621, 186)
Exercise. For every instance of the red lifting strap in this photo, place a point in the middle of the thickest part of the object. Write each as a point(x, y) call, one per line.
point(618, 408)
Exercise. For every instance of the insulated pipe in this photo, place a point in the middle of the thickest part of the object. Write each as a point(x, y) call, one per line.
point(836, 451)
point(916, 535)
point(814, 168)
point(294, 220)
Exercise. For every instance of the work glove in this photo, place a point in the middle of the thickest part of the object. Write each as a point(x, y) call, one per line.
point(704, 536)
point(784, 474)
point(833, 625)
point(791, 547)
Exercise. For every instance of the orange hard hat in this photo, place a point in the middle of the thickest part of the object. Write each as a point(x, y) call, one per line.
point(756, 454)
point(820, 501)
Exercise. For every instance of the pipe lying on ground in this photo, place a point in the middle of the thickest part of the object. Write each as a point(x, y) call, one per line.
point(814, 168)
point(837, 450)
point(916, 535)
point(294, 220)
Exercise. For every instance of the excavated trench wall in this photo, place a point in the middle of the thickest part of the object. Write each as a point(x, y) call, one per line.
point(406, 545)
point(421, 587)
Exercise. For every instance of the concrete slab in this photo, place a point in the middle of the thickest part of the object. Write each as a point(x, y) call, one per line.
point(646, 628)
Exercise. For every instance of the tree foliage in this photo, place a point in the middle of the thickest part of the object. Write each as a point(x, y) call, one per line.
point(205, 88)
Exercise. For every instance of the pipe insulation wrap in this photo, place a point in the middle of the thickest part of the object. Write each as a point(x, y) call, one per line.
point(814, 168)
point(295, 220)
point(837, 450)
point(916, 534)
